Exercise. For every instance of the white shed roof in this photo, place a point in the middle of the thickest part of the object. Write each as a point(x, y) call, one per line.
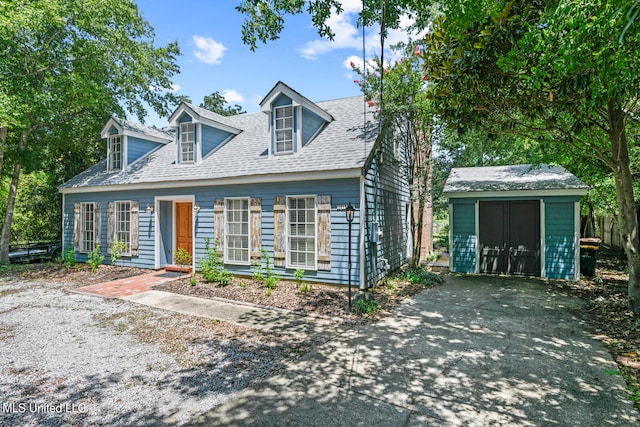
point(516, 180)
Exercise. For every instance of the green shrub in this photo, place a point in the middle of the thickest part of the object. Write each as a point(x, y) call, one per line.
point(422, 277)
point(264, 272)
point(118, 247)
point(95, 259)
point(212, 265)
point(69, 258)
point(366, 307)
point(301, 284)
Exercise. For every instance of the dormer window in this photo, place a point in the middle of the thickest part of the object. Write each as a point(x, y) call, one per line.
point(284, 130)
point(115, 152)
point(186, 143)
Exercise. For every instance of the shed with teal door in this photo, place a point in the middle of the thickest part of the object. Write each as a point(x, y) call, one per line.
point(519, 220)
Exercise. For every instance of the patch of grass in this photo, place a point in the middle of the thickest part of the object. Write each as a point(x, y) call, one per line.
point(370, 307)
point(6, 331)
point(4, 292)
point(422, 277)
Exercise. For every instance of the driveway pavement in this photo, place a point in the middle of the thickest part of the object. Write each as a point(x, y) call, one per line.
point(475, 351)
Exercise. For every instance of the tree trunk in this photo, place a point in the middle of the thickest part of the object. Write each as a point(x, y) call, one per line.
point(4, 132)
point(427, 228)
point(627, 209)
point(5, 236)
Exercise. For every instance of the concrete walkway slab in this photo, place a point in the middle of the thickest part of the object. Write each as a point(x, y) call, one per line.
point(475, 351)
point(314, 329)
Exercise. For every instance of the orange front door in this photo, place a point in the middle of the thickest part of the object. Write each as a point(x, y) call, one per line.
point(184, 227)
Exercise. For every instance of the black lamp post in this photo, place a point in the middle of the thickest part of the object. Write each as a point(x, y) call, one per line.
point(350, 212)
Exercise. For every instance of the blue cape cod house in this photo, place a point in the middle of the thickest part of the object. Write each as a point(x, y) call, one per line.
point(277, 179)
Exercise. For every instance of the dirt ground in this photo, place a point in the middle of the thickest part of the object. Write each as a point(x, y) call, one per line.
point(608, 311)
point(605, 294)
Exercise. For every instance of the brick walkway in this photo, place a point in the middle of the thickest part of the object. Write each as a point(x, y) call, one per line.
point(130, 285)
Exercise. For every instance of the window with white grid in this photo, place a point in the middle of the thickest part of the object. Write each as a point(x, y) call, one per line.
point(87, 227)
point(186, 142)
point(283, 130)
point(123, 224)
point(301, 228)
point(115, 152)
point(237, 231)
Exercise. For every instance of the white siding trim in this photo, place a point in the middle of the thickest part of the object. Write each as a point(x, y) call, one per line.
point(451, 248)
point(181, 198)
point(576, 225)
point(363, 257)
point(62, 223)
point(252, 179)
point(124, 152)
point(543, 240)
point(533, 194)
point(198, 144)
point(477, 231)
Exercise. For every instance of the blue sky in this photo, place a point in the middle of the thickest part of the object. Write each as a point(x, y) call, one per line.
point(215, 59)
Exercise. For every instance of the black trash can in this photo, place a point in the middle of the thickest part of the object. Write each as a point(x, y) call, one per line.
point(588, 255)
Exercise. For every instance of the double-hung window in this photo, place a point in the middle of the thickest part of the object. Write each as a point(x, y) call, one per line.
point(115, 152)
point(283, 130)
point(237, 231)
point(301, 232)
point(88, 230)
point(122, 224)
point(186, 143)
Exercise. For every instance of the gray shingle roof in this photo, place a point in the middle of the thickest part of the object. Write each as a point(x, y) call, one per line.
point(144, 130)
point(339, 146)
point(512, 178)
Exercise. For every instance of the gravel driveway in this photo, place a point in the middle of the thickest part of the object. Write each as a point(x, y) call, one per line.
point(72, 359)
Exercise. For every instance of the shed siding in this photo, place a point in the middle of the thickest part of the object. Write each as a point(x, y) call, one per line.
point(560, 238)
point(386, 198)
point(559, 234)
point(138, 147)
point(342, 191)
point(464, 239)
point(212, 138)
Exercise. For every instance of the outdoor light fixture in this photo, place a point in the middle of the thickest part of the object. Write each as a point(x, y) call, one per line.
point(196, 208)
point(350, 212)
point(149, 208)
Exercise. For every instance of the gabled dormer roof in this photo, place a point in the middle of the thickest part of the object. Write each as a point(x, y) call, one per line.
point(201, 115)
point(296, 98)
point(124, 127)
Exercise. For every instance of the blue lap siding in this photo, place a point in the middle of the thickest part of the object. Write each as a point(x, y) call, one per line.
point(342, 191)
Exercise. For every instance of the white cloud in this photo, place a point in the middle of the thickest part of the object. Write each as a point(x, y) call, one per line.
point(175, 87)
point(232, 96)
point(348, 35)
point(208, 50)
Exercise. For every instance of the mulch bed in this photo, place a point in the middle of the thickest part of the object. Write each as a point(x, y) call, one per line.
point(607, 310)
point(323, 300)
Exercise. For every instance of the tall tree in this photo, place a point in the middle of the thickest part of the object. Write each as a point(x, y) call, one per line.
point(398, 89)
point(218, 104)
point(550, 70)
point(65, 61)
